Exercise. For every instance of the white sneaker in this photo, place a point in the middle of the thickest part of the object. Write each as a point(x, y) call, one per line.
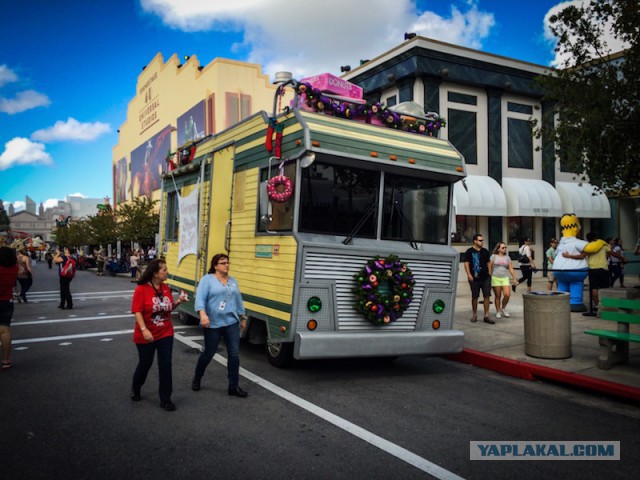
point(498, 315)
point(505, 313)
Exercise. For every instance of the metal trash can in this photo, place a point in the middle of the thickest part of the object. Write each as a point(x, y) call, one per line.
point(547, 324)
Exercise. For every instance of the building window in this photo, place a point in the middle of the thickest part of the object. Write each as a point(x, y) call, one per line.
point(519, 146)
point(519, 228)
point(238, 108)
point(211, 114)
point(391, 101)
point(466, 228)
point(173, 217)
point(463, 109)
point(520, 143)
point(463, 133)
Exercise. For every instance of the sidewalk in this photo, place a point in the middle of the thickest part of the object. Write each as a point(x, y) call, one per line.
point(501, 347)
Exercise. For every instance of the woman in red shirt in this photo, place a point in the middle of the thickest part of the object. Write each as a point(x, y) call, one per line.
point(8, 275)
point(152, 306)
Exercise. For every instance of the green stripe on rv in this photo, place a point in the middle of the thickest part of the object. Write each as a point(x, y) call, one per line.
point(361, 139)
point(265, 302)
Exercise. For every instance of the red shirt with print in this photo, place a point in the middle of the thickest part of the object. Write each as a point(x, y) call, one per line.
point(8, 277)
point(155, 307)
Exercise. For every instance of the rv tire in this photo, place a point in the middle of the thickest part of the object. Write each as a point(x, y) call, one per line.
point(279, 354)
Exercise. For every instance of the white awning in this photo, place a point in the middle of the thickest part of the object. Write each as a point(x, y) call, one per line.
point(531, 198)
point(483, 197)
point(584, 200)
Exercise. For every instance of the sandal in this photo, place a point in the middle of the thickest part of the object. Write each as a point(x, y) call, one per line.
point(474, 319)
point(488, 320)
point(7, 364)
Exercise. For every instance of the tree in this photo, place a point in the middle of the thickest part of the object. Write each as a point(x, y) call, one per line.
point(597, 94)
point(138, 221)
point(103, 228)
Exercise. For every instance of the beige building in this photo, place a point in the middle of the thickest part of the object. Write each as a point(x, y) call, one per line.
point(177, 105)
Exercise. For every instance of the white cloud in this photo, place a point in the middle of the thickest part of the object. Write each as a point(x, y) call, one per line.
point(22, 151)
point(81, 195)
point(7, 75)
point(71, 130)
point(25, 100)
point(317, 36)
point(50, 203)
point(19, 206)
point(560, 61)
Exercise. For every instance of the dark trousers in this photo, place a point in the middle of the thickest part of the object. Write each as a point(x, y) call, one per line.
point(616, 272)
point(526, 274)
point(146, 352)
point(25, 285)
point(65, 292)
point(212, 338)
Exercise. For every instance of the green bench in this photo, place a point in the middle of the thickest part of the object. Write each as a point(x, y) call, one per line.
point(614, 346)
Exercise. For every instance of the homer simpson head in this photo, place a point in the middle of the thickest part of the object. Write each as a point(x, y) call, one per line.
point(569, 225)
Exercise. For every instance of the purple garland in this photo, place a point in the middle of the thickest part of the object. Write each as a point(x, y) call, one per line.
point(315, 99)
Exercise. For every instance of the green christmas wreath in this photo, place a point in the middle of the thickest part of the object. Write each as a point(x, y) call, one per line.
point(384, 289)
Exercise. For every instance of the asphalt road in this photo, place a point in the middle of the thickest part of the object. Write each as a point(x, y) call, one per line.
point(65, 410)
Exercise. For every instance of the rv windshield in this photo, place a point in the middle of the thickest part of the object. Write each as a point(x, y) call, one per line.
point(343, 201)
point(334, 198)
point(415, 210)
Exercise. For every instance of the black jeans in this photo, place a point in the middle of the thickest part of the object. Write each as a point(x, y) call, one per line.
point(25, 285)
point(146, 352)
point(65, 292)
point(526, 274)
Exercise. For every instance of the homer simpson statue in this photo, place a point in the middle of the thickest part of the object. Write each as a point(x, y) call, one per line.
point(571, 280)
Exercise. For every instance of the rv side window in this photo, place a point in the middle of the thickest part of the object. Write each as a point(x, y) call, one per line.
point(282, 212)
point(335, 199)
point(173, 217)
point(415, 210)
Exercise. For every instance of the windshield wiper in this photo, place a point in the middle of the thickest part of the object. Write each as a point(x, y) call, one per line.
point(403, 219)
point(365, 216)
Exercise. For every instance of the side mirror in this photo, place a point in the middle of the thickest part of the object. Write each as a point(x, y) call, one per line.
point(265, 206)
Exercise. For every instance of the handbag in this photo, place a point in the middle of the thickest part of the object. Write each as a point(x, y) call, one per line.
point(522, 258)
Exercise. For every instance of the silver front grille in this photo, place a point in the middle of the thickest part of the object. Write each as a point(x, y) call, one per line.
point(324, 268)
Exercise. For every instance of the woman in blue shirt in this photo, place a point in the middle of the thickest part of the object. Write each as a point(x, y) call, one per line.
point(222, 314)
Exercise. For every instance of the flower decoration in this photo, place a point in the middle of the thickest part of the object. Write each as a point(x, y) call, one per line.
point(284, 193)
point(370, 113)
point(384, 289)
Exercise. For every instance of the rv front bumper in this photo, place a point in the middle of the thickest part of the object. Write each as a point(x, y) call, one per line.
point(376, 344)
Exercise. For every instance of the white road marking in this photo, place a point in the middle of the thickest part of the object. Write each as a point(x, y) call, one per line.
point(371, 438)
point(359, 432)
point(76, 336)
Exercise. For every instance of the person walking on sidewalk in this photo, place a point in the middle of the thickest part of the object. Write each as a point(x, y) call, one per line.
point(25, 274)
point(551, 255)
point(100, 259)
point(476, 264)
point(616, 262)
point(8, 276)
point(527, 266)
point(66, 301)
point(500, 268)
point(152, 305)
point(222, 315)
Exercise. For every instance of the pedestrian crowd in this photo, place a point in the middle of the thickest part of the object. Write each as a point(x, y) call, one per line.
point(494, 271)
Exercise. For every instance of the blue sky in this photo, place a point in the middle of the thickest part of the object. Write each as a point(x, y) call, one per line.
point(68, 68)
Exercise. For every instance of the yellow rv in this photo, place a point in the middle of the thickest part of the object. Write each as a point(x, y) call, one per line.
point(337, 231)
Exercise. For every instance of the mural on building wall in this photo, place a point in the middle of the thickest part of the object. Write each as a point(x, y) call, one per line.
point(191, 124)
point(120, 181)
point(147, 162)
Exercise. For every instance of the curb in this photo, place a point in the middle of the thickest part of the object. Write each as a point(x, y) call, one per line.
point(529, 371)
